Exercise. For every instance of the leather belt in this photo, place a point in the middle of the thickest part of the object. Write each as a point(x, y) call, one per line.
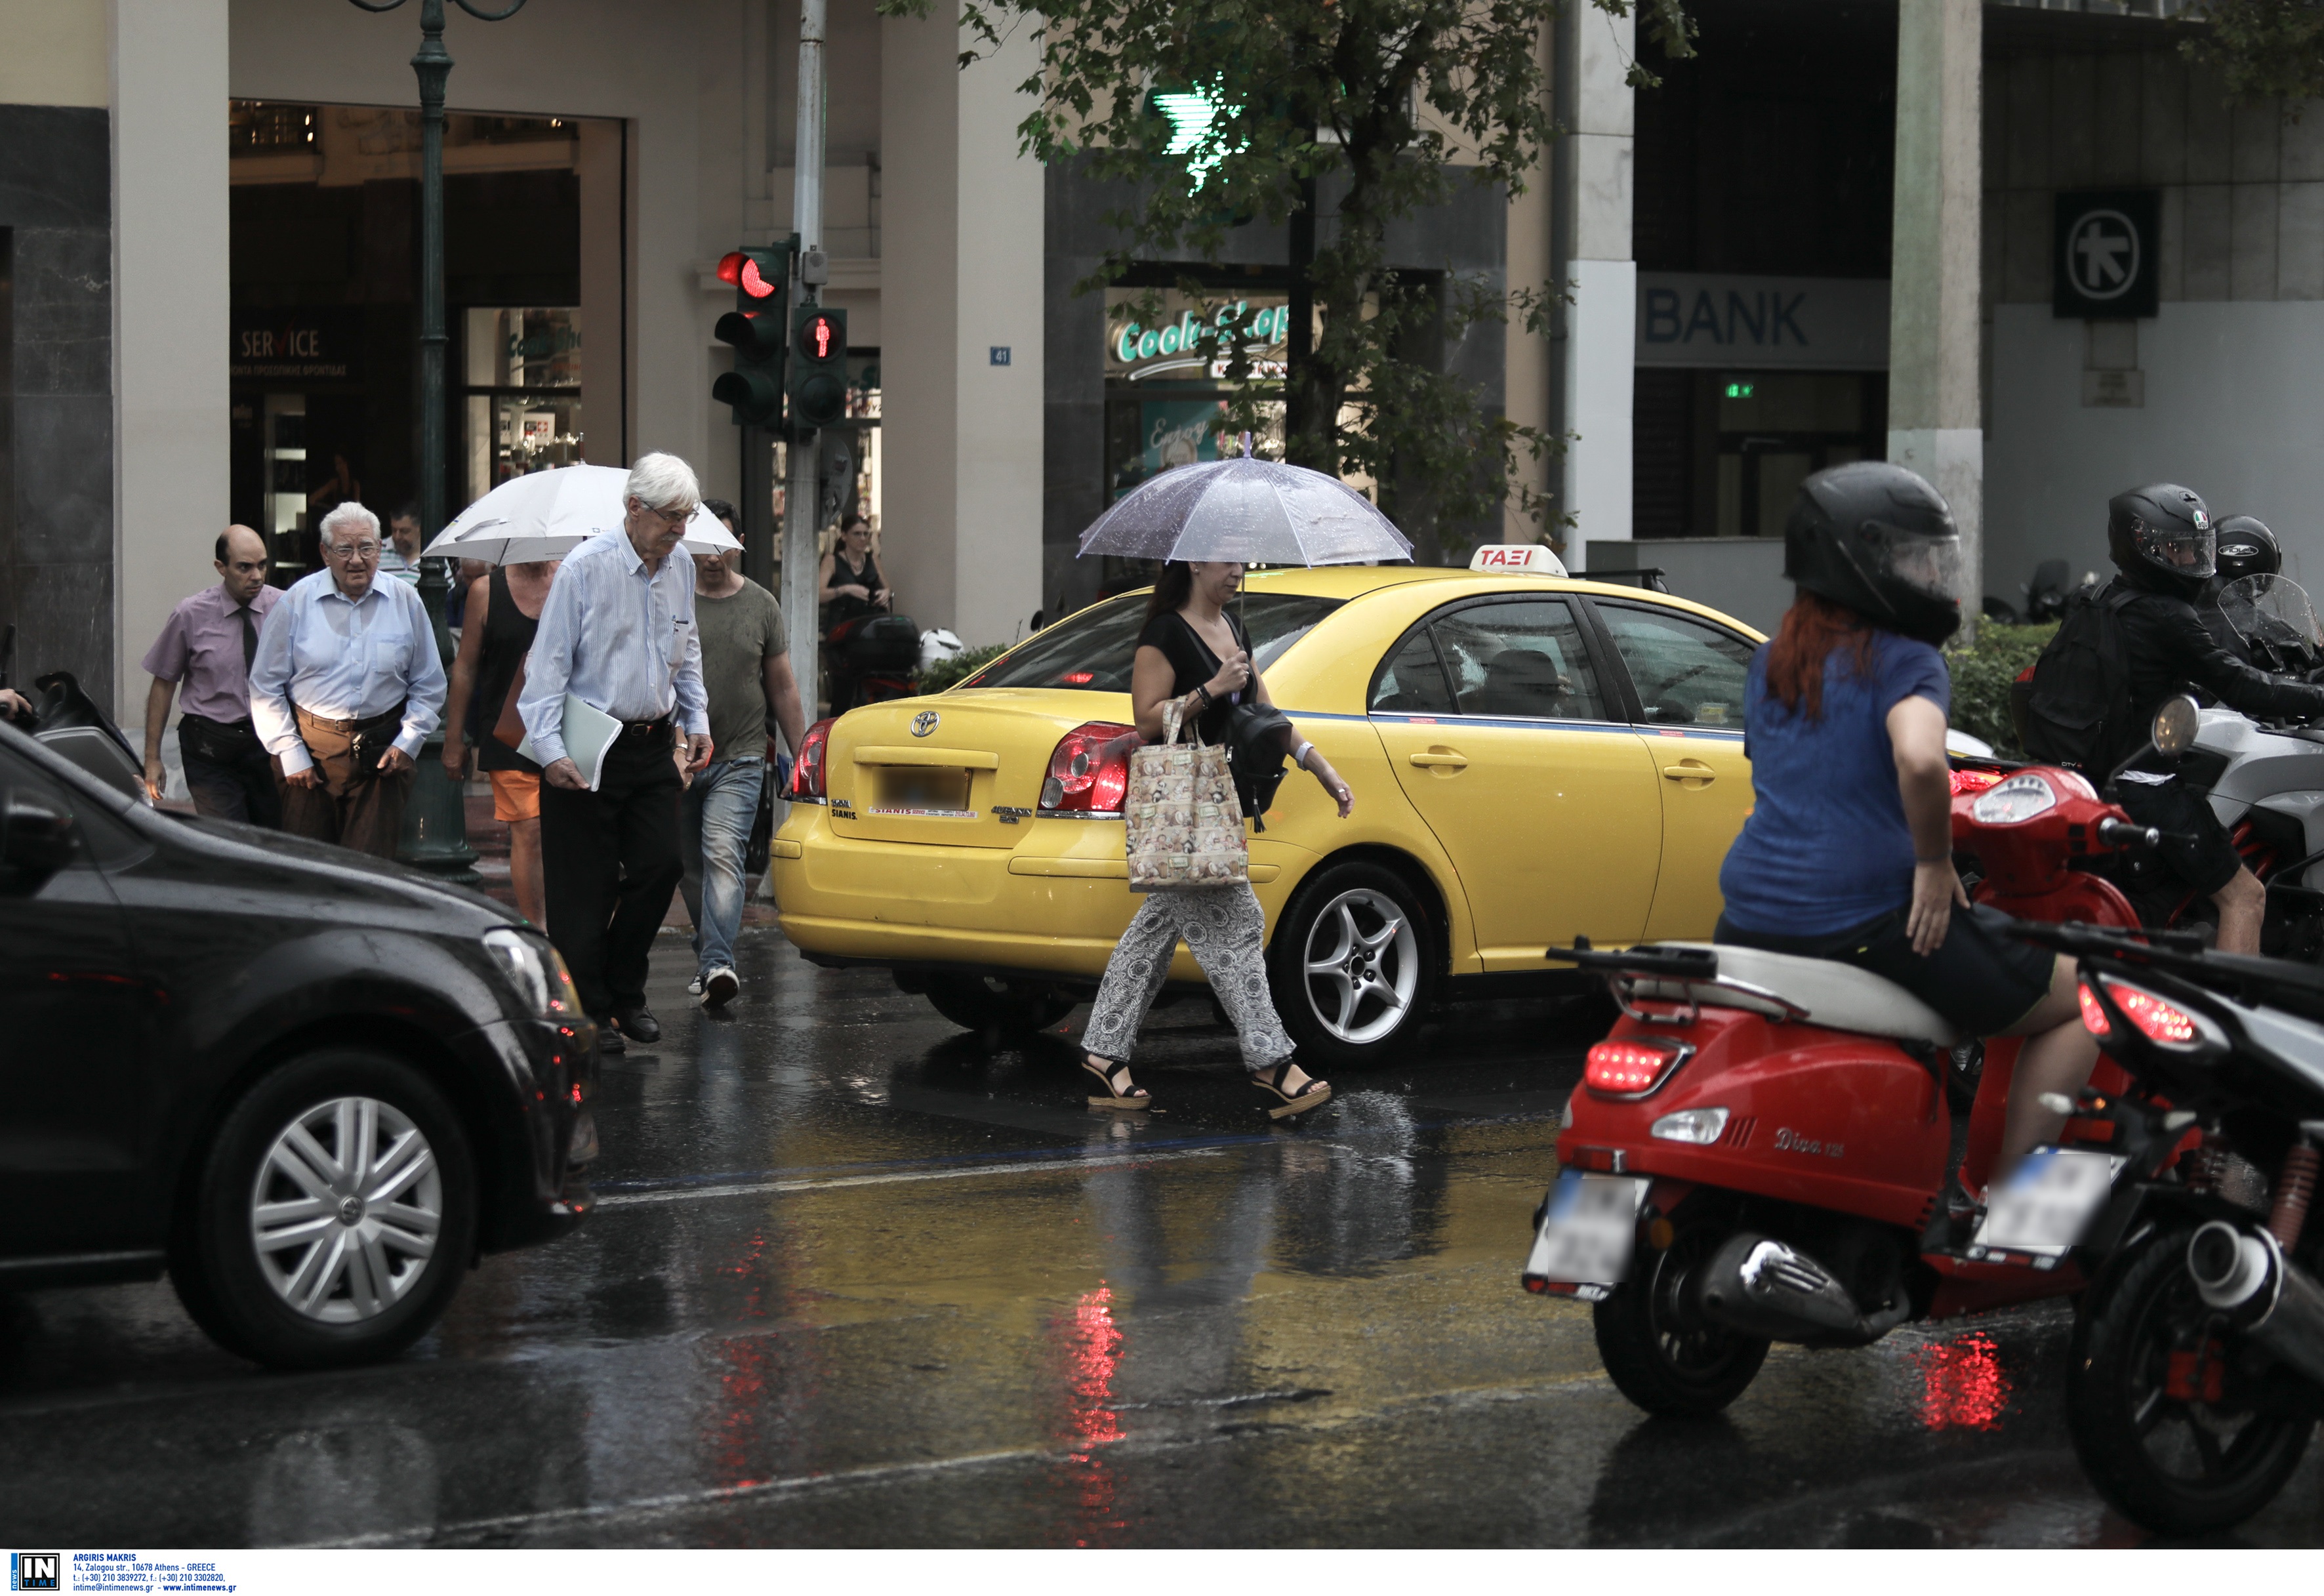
point(365, 723)
point(645, 728)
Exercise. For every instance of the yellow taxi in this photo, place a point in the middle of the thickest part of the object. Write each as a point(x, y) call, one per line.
point(1534, 758)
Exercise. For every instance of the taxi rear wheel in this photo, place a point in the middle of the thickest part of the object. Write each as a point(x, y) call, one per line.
point(1352, 963)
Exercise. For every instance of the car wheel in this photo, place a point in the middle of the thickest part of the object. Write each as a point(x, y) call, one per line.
point(1351, 964)
point(333, 1214)
point(982, 1002)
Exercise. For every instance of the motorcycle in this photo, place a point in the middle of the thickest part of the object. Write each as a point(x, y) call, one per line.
point(1758, 1150)
point(2196, 1375)
point(871, 659)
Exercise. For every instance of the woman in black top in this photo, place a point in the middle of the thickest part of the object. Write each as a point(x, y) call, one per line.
point(853, 582)
point(1194, 650)
point(504, 612)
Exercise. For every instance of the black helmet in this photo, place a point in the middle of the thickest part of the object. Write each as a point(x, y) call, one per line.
point(2163, 531)
point(2246, 547)
point(1878, 539)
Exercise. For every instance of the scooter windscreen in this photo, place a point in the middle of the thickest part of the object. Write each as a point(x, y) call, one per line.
point(2271, 614)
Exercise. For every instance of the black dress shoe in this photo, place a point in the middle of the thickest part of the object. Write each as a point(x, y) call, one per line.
point(609, 1040)
point(639, 1023)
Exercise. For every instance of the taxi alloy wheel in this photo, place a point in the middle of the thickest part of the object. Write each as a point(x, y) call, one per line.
point(1351, 963)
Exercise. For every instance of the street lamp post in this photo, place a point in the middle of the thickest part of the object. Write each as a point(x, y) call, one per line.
point(435, 823)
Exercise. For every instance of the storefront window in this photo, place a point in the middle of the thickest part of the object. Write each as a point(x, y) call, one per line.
point(523, 393)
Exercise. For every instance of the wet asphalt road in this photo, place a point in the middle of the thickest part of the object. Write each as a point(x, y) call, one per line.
point(858, 1281)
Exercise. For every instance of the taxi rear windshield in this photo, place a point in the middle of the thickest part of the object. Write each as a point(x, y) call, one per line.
point(1094, 649)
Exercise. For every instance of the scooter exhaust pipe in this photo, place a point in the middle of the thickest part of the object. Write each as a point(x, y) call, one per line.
point(2278, 1304)
point(1762, 1286)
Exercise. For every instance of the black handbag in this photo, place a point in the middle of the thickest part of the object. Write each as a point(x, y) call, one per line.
point(761, 851)
point(1258, 737)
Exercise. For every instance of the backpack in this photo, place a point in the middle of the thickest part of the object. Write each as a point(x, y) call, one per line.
point(2073, 706)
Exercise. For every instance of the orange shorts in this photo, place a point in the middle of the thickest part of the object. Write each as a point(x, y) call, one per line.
point(516, 794)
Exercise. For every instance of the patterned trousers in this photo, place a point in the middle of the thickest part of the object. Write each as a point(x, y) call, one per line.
point(1226, 931)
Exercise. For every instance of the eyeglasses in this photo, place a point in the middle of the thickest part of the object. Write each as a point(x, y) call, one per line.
point(669, 518)
point(356, 553)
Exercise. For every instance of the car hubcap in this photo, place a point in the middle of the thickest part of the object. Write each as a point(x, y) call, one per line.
point(1362, 965)
point(346, 1209)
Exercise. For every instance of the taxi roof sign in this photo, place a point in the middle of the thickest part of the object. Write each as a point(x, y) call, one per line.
point(1533, 559)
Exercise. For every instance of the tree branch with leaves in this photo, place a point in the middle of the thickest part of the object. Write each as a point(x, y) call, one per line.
point(1342, 118)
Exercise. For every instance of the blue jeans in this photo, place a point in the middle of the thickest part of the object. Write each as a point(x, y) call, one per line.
point(714, 821)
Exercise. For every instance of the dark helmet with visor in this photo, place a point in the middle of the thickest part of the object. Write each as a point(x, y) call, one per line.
point(1879, 541)
point(2247, 548)
point(2163, 531)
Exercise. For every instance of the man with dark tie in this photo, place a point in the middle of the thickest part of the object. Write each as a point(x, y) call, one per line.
point(206, 648)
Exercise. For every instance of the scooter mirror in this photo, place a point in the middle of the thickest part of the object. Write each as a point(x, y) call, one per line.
point(2175, 724)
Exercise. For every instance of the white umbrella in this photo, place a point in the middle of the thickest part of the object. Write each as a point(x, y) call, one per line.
point(547, 514)
point(1257, 511)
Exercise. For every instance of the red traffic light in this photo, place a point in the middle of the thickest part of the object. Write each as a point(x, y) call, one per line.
point(819, 330)
point(740, 268)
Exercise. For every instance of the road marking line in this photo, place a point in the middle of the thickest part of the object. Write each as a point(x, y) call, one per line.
point(757, 1187)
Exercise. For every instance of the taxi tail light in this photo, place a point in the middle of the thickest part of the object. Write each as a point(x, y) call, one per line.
point(807, 771)
point(1629, 1068)
point(1089, 770)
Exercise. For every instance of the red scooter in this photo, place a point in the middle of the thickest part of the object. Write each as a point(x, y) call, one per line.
point(1757, 1151)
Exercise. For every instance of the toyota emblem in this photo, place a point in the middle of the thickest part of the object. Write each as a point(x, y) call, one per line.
point(924, 723)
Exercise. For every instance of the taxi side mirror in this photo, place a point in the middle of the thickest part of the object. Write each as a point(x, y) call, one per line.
point(36, 841)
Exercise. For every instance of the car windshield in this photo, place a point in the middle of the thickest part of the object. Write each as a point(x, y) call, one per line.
point(1094, 649)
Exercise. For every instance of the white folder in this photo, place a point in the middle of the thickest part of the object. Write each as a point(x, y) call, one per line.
point(589, 732)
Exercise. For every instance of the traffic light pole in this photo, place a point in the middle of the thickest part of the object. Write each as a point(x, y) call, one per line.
point(435, 821)
point(801, 559)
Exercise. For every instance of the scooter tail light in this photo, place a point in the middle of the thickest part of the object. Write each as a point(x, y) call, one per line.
point(2094, 1014)
point(1089, 770)
point(807, 772)
point(2158, 1019)
point(1625, 1067)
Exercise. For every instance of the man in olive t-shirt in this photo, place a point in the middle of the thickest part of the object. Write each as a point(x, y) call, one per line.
point(746, 670)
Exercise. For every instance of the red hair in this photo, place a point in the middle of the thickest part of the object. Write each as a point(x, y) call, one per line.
point(1812, 628)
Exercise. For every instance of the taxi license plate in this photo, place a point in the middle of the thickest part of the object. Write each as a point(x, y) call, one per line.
point(1590, 1227)
point(2049, 1202)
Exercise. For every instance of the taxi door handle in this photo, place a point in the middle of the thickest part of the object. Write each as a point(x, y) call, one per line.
point(1452, 761)
point(1689, 771)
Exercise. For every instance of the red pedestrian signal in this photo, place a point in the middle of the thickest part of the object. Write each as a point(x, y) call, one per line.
point(817, 376)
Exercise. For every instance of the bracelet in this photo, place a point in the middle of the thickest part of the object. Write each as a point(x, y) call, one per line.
point(1205, 693)
point(1299, 755)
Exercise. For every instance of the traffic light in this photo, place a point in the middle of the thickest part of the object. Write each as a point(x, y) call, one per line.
point(817, 376)
point(755, 328)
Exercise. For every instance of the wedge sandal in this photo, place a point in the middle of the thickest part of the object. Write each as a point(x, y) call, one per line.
point(1282, 1104)
point(1135, 1098)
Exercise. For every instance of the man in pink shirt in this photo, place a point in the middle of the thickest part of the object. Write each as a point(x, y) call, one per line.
point(207, 645)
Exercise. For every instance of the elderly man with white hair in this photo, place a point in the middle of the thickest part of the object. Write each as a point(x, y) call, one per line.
point(345, 686)
point(618, 633)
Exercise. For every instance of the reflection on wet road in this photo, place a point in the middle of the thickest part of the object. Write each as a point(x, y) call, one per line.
point(858, 1281)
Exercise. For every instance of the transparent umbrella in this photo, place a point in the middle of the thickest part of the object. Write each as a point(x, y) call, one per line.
point(547, 514)
point(1257, 512)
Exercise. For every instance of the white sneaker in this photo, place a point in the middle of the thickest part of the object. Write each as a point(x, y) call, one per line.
point(719, 986)
point(693, 987)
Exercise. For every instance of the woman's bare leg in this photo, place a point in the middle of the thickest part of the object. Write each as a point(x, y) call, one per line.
point(524, 870)
point(2057, 1057)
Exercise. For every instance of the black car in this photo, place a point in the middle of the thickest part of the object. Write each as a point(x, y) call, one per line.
point(314, 1086)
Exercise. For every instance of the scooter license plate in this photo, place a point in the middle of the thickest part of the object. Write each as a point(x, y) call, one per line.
point(1588, 1229)
point(2047, 1204)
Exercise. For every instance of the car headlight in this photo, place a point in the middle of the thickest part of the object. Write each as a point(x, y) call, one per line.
point(537, 973)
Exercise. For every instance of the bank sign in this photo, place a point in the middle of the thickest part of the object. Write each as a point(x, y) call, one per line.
point(2103, 264)
point(1707, 318)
